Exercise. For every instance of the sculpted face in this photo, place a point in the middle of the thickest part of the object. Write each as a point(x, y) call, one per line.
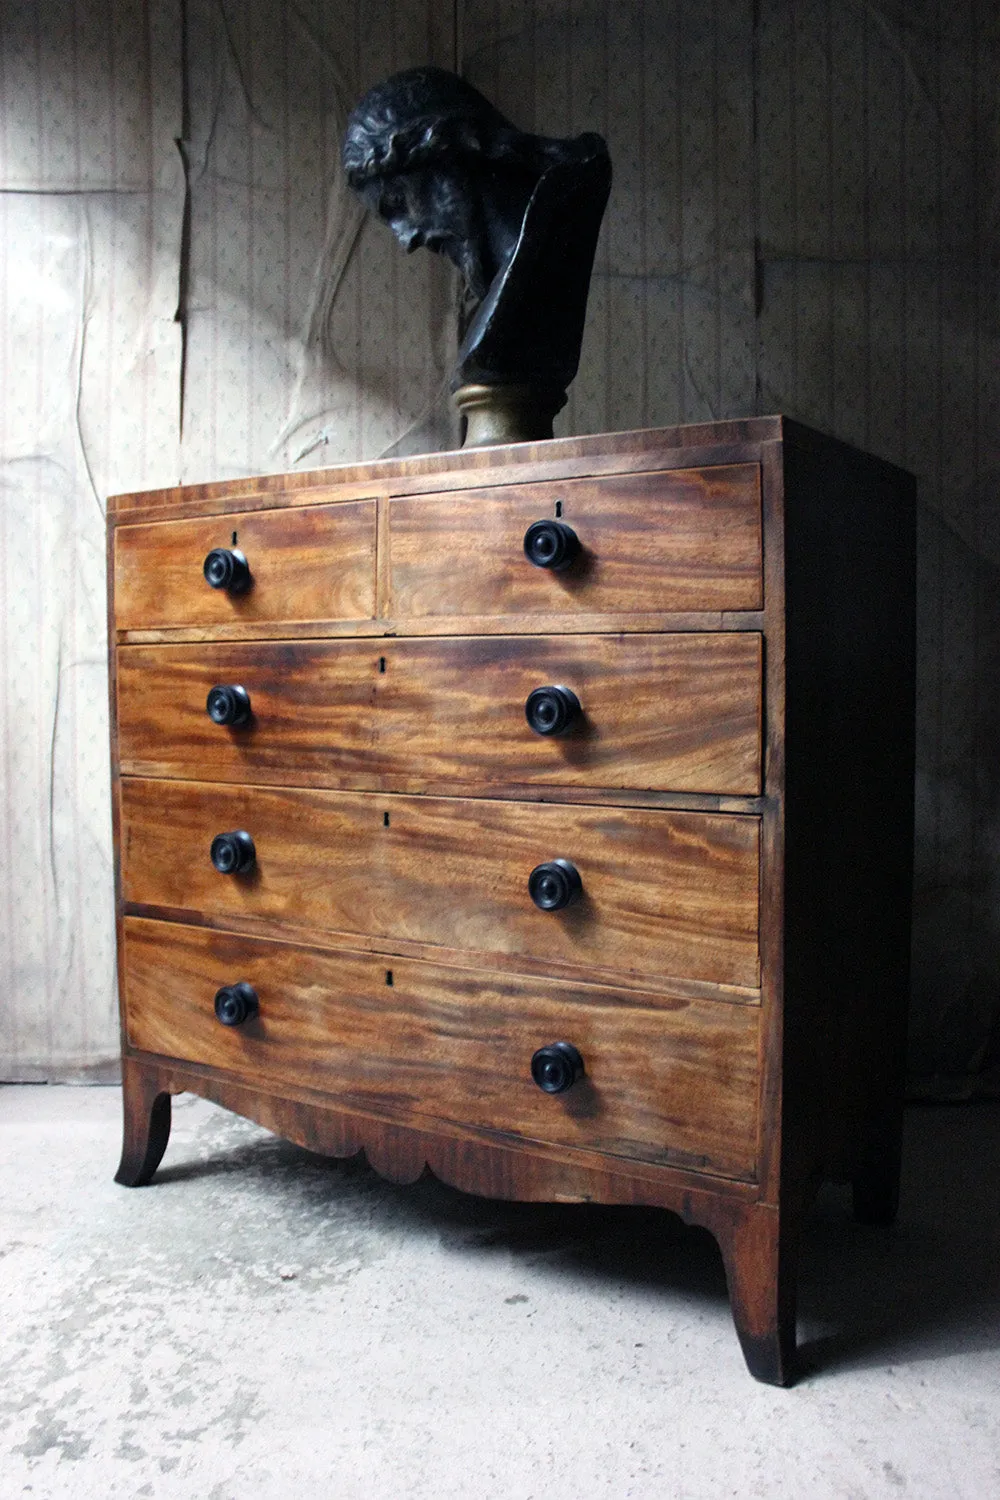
point(444, 169)
point(436, 208)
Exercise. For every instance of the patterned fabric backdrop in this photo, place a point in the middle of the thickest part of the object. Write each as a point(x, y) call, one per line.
point(804, 219)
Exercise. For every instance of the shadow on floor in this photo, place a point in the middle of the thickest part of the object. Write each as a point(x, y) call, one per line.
point(927, 1288)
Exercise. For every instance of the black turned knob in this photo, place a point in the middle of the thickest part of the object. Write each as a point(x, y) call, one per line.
point(551, 544)
point(228, 704)
point(226, 568)
point(233, 853)
point(552, 710)
point(236, 1003)
point(554, 885)
point(557, 1067)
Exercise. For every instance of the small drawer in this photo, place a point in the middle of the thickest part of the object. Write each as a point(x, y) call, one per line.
point(663, 893)
point(310, 563)
point(419, 1044)
point(678, 540)
point(675, 712)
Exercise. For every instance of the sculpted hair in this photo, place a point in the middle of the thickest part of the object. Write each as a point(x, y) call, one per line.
point(426, 114)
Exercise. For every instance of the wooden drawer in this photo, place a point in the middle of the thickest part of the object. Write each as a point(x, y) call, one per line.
point(313, 563)
point(684, 539)
point(665, 893)
point(675, 1085)
point(665, 712)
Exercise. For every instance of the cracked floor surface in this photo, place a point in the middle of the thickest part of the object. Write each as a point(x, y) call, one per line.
point(261, 1322)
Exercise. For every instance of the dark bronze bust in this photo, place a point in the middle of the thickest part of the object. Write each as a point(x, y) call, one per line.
point(519, 216)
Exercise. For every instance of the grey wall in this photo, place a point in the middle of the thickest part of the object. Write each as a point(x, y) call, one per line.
point(804, 219)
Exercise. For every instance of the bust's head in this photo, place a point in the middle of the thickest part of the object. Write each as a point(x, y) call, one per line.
point(433, 158)
point(518, 214)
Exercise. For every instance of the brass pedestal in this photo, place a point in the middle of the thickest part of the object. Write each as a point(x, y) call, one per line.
point(507, 413)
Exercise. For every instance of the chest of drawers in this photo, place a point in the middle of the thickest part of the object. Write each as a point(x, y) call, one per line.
point(538, 815)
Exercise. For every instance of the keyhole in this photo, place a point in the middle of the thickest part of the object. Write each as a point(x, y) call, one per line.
point(385, 820)
point(558, 509)
point(381, 663)
point(233, 542)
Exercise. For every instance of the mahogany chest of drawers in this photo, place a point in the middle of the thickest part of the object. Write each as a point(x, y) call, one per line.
point(540, 815)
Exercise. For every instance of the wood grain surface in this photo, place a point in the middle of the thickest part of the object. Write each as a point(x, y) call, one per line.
point(311, 564)
point(669, 713)
point(740, 1018)
point(687, 539)
point(664, 893)
point(655, 448)
point(674, 1085)
point(663, 622)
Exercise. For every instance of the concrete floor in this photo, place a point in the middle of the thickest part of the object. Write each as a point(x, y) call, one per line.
point(264, 1323)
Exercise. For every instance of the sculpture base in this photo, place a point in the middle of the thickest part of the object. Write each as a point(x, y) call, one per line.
point(507, 413)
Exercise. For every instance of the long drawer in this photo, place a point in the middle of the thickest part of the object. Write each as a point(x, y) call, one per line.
point(676, 1085)
point(666, 712)
point(677, 540)
point(310, 563)
point(663, 893)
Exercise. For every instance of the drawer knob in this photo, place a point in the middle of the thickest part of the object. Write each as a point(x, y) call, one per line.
point(557, 1067)
point(236, 1003)
point(226, 568)
point(552, 710)
point(551, 544)
point(554, 885)
point(233, 853)
point(228, 703)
